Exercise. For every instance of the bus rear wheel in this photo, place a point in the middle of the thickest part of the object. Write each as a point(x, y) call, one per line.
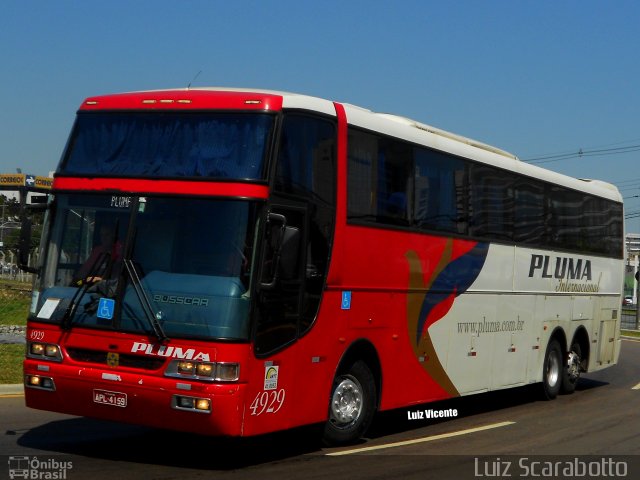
point(552, 370)
point(572, 369)
point(352, 405)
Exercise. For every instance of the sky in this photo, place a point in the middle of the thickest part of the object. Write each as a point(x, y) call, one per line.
point(554, 82)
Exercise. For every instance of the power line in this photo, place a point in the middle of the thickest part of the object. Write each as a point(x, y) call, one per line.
point(583, 153)
point(635, 140)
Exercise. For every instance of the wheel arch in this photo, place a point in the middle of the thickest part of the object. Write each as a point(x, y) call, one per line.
point(581, 337)
point(559, 335)
point(363, 349)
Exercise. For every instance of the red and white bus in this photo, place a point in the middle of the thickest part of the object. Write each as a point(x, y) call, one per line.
point(235, 262)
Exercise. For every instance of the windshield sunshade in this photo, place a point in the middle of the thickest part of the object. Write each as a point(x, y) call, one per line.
point(215, 145)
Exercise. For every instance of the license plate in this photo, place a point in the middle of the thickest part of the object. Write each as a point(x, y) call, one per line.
point(105, 397)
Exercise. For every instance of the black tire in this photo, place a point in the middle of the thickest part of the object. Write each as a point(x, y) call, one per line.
point(351, 406)
point(552, 370)
point(571, 369)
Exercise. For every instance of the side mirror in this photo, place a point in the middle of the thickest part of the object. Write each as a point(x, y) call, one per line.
point(282, 244)
point(289, 252)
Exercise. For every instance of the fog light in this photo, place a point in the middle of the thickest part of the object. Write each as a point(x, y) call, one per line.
point(191, 404)
point(39, 382)
point(203, 404)
point(185, 402)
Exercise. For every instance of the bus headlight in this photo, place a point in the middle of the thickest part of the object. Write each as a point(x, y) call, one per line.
point(44, 351)
point(208, 371)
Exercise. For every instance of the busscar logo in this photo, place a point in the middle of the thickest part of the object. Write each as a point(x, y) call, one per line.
point(181, 300)
point(573, 274)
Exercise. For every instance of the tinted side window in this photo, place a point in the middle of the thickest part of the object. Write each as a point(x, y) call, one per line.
point(380, 181)
point(306, 158)
point(392, 182)
point(491, 202)
point(440, 192)
point(530, 214)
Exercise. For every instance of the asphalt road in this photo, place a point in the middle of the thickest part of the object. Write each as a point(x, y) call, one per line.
point(500, 434)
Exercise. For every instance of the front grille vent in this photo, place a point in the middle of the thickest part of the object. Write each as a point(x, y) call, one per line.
point(124, 360)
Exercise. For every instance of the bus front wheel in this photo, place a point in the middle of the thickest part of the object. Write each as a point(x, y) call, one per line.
point(552, 370)
point(352, 405)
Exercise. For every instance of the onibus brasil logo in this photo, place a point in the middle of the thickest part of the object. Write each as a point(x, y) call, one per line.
point(35, 468)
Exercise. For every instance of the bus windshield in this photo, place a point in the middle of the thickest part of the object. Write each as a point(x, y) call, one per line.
point(172, 144)
point(149, 264)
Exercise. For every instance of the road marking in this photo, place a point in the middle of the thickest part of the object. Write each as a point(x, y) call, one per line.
point(637, 387)
point(421, 440)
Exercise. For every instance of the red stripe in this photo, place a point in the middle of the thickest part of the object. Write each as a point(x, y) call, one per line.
point(337, 261)
point(130, 185)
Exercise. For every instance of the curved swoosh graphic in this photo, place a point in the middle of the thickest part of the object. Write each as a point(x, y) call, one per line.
point(430, 300)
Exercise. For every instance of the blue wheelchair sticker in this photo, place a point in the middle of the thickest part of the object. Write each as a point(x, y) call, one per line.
point(346, 300)
point(106, 307)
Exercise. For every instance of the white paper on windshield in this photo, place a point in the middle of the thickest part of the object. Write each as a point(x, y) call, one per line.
point(48, 308)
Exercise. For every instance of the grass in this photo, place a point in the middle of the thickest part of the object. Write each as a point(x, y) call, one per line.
point(630, 333)
point(15, 298)
point(11, 356)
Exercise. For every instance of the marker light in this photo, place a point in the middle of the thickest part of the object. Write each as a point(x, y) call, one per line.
point(44, 351)
point(227, 372)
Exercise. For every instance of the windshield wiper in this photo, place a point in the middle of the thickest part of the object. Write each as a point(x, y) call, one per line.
point(151, 316)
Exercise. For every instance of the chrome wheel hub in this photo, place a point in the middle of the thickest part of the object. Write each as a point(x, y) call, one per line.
point(346, 403)
point(573, 366)
point(553, 370)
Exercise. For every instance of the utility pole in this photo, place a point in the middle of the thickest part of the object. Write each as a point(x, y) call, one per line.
point(637, 277)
